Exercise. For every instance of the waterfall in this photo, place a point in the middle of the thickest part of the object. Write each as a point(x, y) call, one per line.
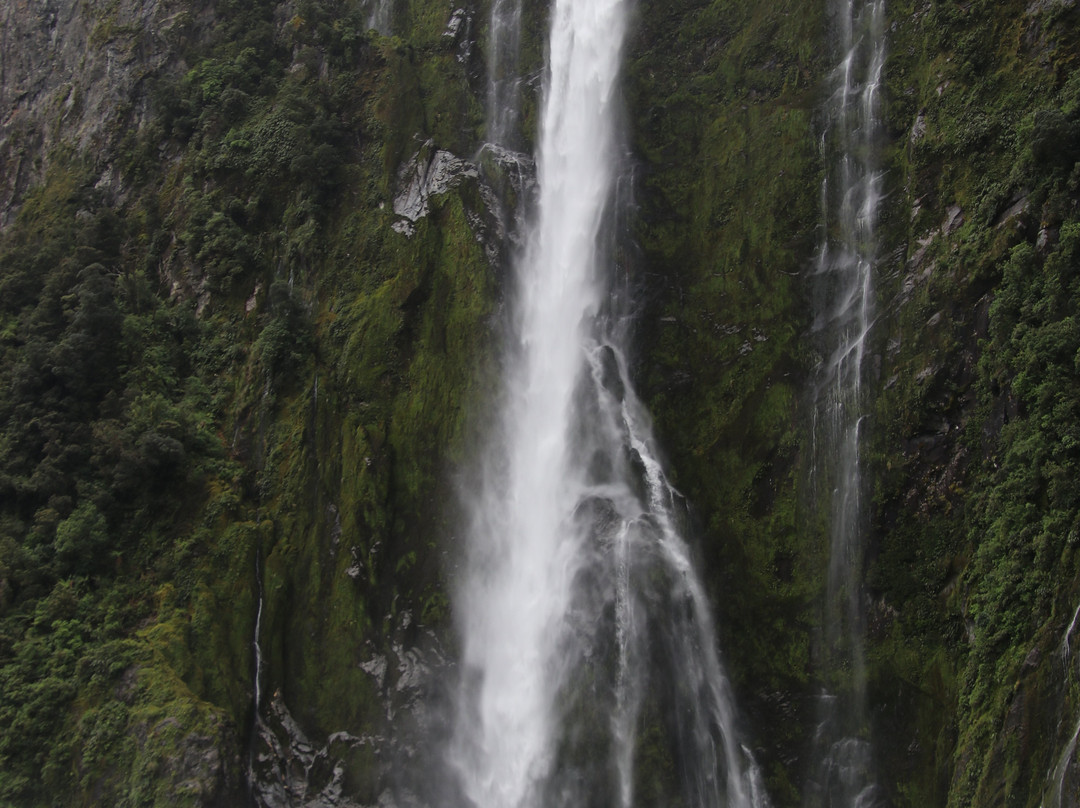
point(380, 14)
point(256, 678)
point(843, 291)
point(504, 79)
point(1064, 772)
point(582, 618)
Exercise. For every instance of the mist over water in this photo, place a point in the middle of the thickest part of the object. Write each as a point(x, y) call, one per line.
point(844, 297)
point(583, 620)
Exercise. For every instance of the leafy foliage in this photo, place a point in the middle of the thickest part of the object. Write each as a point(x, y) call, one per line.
point(181, 391)
point(974, 561)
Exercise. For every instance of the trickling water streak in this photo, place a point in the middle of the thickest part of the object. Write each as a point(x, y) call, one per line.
point(626, 695)
point(380, 15)
point(257, 677)
point(1066, 647)
point(576, 573)
point(506, 168)
point(1061, 771)
point(850, 195)
point(698, 661)
point(258, 648)
point(504, 80)
point(1065, 765)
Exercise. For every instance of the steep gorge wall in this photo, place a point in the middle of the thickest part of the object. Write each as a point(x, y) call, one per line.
point(970, 578)
point(231, 342)
point(975, 577)
point(73, 79)
point(724, 98)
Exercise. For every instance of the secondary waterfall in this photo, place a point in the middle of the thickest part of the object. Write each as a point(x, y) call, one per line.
point(1063, 776)
point(257, 673)
point(843, 291)
point(583, 621)
point(504, 79)
point(380, 15)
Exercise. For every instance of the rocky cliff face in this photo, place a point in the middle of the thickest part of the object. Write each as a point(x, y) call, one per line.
point(969, 704)
point(976, 567)
point(75, 78)
point(250, 273)
point(181, 179)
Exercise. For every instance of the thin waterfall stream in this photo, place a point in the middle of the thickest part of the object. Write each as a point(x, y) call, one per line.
point(844, 297)
point(582, 617)
point(380, 15)
point(1064, 771)
point(256, 676)
point(504, 79)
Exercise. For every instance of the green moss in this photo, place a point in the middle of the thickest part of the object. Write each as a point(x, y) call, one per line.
point(317, 431)
point(722, 98)
point(962, 560)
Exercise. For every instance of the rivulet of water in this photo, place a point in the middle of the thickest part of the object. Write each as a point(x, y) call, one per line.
point(504, 74)
point(257, 673)
point(584, 623)
point(844, 313)
point(1065, 772)
point(380, 15)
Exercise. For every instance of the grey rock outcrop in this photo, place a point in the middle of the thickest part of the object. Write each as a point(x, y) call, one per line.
point(75, 73)
point(425, 175)
point(291, 769)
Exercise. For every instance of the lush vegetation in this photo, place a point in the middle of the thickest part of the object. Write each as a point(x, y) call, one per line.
point(975, 575)
point(224, 375)
point(971, 571)
point(175, 359)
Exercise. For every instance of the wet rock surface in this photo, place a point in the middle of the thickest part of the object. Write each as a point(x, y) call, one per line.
point(430, 172)
point(290, 768)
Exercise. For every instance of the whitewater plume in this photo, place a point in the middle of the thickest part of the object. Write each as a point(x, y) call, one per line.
point(581, 614)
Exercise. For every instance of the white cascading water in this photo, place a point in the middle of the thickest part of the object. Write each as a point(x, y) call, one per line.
point(504, 79)
point(379, 15)
point(581, 615)
point(845, 310)
point(1065, 770)
point(257, 674)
